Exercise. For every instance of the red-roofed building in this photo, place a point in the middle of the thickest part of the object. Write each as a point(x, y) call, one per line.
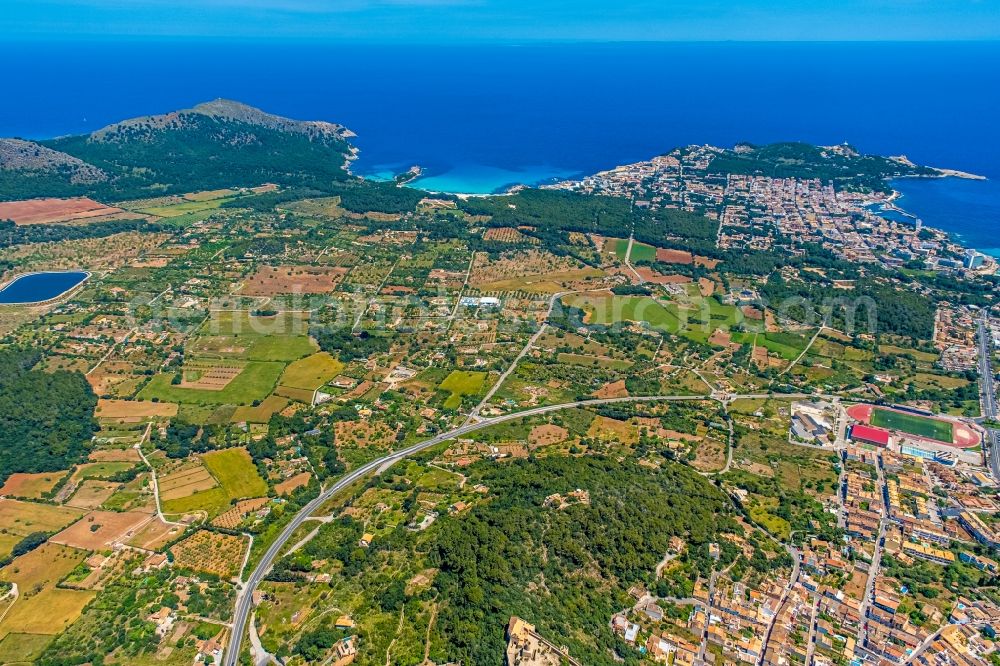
point(869, 435)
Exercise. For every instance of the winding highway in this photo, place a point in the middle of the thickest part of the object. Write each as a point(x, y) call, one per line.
point(244, 599)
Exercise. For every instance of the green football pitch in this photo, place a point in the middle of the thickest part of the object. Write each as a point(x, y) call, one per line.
point(921, 426)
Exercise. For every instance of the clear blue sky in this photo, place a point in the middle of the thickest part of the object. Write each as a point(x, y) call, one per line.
point(447, 21)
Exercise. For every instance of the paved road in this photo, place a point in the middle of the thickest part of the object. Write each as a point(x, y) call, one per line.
point(989, 397)
point(244, 601)
point(703, 645)
point(474, 414)
point(811, 641)
point(873, 569)
point(986, 371)
point(796, 569)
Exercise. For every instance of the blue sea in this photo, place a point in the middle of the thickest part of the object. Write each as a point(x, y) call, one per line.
point(480, 118)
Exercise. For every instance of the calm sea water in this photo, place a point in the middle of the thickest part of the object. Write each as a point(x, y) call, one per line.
point(969, 209)
point(479, 118)
point(37, 287)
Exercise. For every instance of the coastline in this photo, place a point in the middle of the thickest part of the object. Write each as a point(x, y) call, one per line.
point(428, 182)
point(896, 203)
point(955, 173)
point(943, 173)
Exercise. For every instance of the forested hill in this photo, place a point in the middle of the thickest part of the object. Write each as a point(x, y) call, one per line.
point(46, 418)
point(214, 145)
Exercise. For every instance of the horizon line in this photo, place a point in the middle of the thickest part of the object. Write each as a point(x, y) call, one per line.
point(261, 40)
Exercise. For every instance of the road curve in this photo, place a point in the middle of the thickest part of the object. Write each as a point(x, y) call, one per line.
point(244, 599)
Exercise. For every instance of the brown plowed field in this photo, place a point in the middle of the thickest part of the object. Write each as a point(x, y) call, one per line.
point(53, 211)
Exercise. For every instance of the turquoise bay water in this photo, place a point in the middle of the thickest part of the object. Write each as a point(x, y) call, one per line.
point(38, 287)
point(469, 178)
point(479, 118)
point(485, 179)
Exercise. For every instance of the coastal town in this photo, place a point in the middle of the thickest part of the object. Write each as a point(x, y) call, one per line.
point(597, 423)
point(765, 213)
point(907, 515)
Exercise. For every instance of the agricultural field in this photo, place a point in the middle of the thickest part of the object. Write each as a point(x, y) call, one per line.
point(292, 483)
point(23, 518)
point(609, 310)
point(594, 361)
point(101, 529)
point(263, 412)
point(55, 211)
point(22, 648)
point(188, 479)
point(91, 494)
point(230, 323)
point(265, 341)
point(154, 535)
point(208, 552)
point(233, 476)
point(640, 251)
point(217, 384)
point(183, 208)
point(235, 472)
point(506, 235)
point(231, 519)
point(128, 410)
point(311, 372)
point(101, 470)
point(31, 486)
point(44, 608)
point(277, 280)
point(280, 348)
point(461, 383)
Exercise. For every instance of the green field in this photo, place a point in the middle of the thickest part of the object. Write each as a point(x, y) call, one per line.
point(921, 426)
point(311, 372)
point(240, 323)
point(608, 310)
point(280, 347)
point(461, 383)
point(786, 345)
point(696, 319)
point(255, 382)
point(7, 543)
point(594, 361)
point(237, 477)
point(184, 208)
point(640, 251)
point(251, 346)
point(236, 472)
point(103, 470)
point(262, 413)
point(22, 648)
